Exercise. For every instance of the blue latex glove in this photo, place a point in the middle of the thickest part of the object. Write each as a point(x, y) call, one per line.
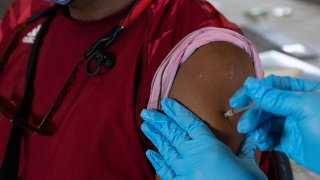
point(287, 118)
point(188, 150)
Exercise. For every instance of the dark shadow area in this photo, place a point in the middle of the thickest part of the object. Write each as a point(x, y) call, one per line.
point(3, 6)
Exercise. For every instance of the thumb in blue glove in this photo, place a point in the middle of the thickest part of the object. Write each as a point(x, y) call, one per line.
point(189, 150)
point(287, 118)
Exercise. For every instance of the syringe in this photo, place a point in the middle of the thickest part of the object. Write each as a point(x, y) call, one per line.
point(235, 111)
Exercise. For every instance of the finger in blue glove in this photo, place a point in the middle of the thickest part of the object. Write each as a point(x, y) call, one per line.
point(159, 164)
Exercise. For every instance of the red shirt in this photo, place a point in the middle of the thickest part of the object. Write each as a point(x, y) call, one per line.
point(98, 123)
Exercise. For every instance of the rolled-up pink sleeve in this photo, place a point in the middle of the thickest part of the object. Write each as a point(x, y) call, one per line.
point(165, 75)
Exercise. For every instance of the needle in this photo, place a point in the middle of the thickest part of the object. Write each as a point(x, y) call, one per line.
point(235, 111)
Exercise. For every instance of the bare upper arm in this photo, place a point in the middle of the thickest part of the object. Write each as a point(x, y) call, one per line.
point(206, 81)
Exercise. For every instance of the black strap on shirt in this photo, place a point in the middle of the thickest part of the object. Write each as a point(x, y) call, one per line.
point(10, 166)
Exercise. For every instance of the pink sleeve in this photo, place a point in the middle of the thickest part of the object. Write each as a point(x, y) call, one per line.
point(165, 75)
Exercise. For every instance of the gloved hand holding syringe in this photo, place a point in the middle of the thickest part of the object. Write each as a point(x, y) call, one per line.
point(286, 117)
point(281, 114)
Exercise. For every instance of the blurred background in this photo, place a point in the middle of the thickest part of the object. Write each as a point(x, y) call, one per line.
point(286, 33)
point(3, 5)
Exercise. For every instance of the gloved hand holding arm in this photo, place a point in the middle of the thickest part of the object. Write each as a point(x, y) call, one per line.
point(286, 119)
point(189, 150)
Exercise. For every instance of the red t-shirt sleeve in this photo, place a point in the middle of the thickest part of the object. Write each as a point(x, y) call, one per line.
point(196, 14)
point(172, 20)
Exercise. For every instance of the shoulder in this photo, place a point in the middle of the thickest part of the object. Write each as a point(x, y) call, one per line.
point(223, 61)
point(206, 81)
point(218, 65)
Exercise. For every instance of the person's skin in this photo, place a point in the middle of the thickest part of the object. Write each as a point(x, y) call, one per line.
point(91, 10)
point(207, 80)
